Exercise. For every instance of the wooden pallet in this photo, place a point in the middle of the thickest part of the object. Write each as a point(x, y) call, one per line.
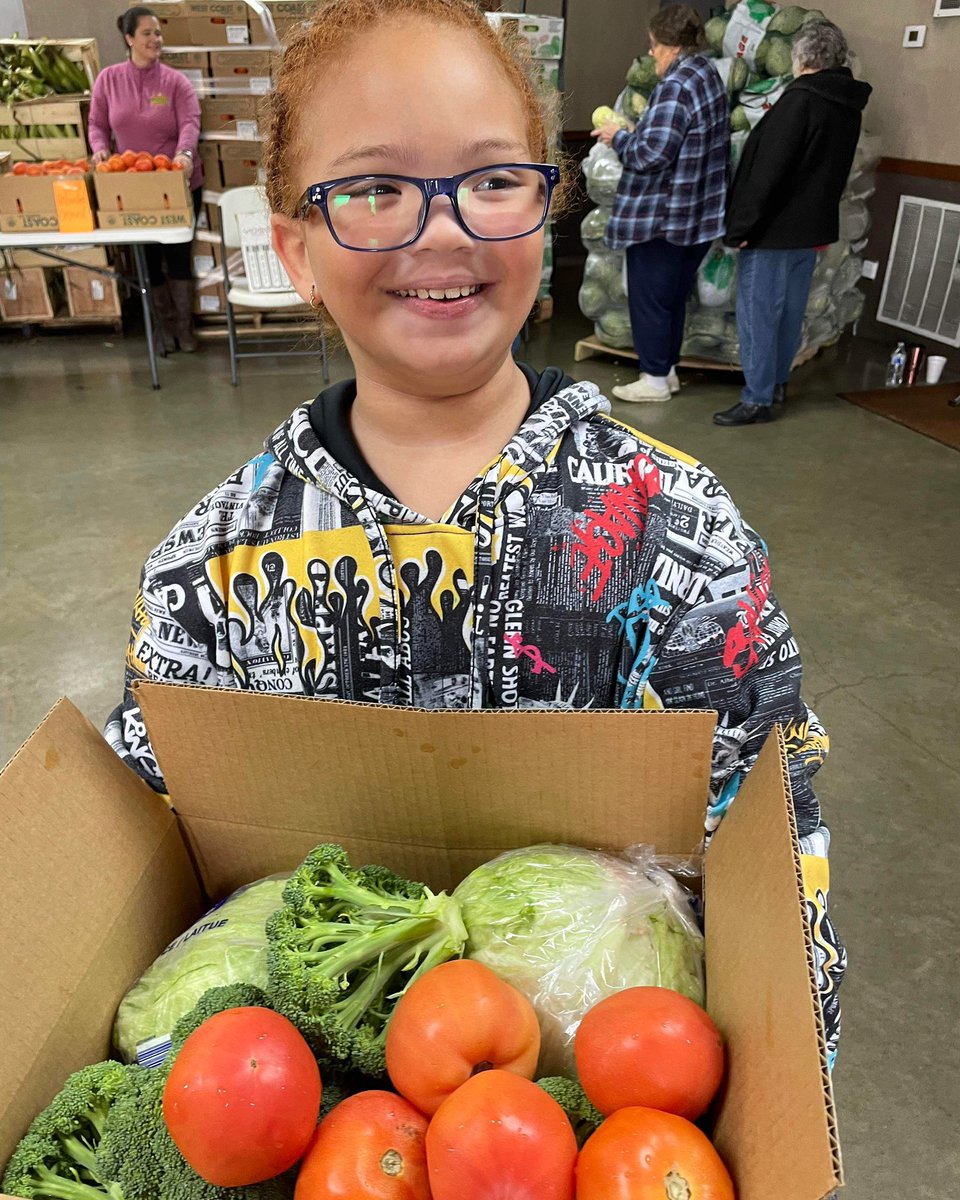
point(591, 347)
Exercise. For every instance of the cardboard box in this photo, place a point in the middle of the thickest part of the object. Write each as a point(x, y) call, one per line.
point(25, 295)
point(205, 256)
point(245, 69)
point(431, 795)
point(93, 256)
point(544, 35)
point(209, 217)
point(89, 294)
point(29, 202)
point(210, 158)
point(174, 22)
point(230, 114)
point(195, 64)
point(210, 300)
point(25, 124)
point(217, 23)
point(132, 199)
point(287, 14)
point(240, 163)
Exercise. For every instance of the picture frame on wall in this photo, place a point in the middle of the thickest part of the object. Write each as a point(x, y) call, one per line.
point(947, 8)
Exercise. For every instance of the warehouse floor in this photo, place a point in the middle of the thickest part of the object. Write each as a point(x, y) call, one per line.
point(862, 523)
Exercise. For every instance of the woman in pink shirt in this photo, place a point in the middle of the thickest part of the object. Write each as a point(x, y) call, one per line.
point(143, 104)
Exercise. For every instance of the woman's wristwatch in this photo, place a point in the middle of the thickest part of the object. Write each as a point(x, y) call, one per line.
point(187, 153)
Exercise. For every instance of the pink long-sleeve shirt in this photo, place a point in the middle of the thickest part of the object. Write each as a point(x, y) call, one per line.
point(146, 108)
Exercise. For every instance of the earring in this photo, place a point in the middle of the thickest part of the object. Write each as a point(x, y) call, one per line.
point(314, 298)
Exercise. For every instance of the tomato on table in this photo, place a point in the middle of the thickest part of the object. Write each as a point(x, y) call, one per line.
point(652, 1047)
point(242, 1098)
point(457, 1019)
point(646, 1154)
point(499, 1135)
point(370, 1145)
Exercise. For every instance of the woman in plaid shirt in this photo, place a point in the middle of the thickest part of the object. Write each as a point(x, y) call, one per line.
point(670, 202)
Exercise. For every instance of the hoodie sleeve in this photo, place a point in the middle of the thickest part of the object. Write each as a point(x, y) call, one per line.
point(656, 141)
point(769, 158)
point(188, 115)
point(98, 123)
point(729, 646)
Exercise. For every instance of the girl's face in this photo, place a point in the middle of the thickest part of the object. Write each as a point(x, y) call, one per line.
point(411, 99)
point(147, 42)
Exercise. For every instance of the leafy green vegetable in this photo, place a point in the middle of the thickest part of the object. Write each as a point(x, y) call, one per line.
point(739, 122)
point(345, 946)
point(634, 103)
point(592, 299)
point(643, 74)
point(584, 1117)
point(227, 945)
point(714, 30)
point(604, 115)
point(567, 926)
point(778, 54)
point(787, 19)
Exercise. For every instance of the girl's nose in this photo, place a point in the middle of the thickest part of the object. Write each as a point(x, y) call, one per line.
point(442, 230)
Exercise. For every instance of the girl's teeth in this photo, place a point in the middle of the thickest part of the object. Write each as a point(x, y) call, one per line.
point(442, 293)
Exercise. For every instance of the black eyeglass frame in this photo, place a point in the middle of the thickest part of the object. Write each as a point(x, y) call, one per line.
point(316, 196)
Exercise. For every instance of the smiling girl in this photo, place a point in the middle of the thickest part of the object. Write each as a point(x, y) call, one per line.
point(449, 528)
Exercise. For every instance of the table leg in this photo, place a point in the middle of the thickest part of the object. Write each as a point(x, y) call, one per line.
point(143, 282)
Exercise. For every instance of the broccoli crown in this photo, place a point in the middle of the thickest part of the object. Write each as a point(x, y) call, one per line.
point(58, 1156)
point(346, 945)
point(571, 1097)
point(215, 1000)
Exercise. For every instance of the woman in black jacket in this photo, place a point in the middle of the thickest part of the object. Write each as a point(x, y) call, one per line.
point(784, 203)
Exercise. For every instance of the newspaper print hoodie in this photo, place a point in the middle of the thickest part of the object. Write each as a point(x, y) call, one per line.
point(588, 566)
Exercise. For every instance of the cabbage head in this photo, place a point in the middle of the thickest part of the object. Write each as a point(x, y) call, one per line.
point(787, 20)
point(568, 927)
point(613, 329)
point(739, 121)
point(778, 56)
point(643, 74)
point(227, 945)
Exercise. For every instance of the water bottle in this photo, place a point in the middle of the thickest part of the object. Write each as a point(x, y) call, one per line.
point(895, 367)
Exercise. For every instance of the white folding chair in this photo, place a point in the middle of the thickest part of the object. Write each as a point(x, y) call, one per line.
point(233, 203)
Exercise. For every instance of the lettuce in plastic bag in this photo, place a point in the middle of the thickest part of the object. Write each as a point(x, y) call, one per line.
point(227, 945)
point(567, 927)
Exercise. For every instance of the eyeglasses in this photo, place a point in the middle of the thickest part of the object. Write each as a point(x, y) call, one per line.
point(388, 212)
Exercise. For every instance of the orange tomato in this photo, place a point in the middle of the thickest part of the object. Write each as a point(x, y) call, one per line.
point(175, 166)
point(457, 1019)
point(116, 163)
point(20, 168)
point(161, 160)
point(129, 157)
point(33, 169)
point(143, 164)
point(103, 168)
point(55, 166)
point(82, 164)
point(647, 1154)
point(652, 1047)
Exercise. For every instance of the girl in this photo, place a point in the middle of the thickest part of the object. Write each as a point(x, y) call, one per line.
point(450, 529)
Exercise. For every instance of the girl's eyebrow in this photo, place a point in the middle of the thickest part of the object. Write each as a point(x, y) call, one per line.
point(398, 153)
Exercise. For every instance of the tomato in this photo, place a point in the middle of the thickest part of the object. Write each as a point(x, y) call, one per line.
point(161, 160)
point(176, 166)
point(33, 169)
point(501, 1135)
point(129, 157)
point(370, 1145)
point(457, 1019)
point(651, 1047)
point(645, 1154)
point(81, 162)
point(143, 164)
point(103, 168)
point(242, 1099)
point(19, 168)
point(116, 163)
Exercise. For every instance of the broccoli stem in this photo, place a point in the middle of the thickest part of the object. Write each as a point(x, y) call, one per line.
point(56, 1187)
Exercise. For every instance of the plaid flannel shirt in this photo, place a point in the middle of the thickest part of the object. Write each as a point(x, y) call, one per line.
point(676, 163)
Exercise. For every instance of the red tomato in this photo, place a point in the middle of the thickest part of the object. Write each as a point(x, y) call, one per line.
point(651, 1047)
point(243, 1097)
point(161, 160)
point(371, 1145)
point(143, 164)
point(457, 1019)
point(19, 168)
point(645, 1154)
point(501, 1135)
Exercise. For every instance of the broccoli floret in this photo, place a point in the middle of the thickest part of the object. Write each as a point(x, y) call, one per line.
point(58, 1156)
point(215, 1000)
point(345, 946)
point(568, 1093)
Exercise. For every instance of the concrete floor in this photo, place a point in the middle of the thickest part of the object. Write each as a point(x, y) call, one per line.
point(861, 519)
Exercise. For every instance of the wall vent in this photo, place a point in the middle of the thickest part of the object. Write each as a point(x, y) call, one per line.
point(921, 289)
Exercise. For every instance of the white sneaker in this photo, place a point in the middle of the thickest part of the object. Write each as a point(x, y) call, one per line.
point(643, 391)
point(673, 381)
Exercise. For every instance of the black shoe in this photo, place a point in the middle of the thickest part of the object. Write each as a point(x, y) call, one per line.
point(744, 414)
point(780, 395)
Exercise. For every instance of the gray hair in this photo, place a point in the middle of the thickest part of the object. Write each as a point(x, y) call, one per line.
point(819, 46)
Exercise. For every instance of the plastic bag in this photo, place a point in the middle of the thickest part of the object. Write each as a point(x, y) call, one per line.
point(737, 142)
point(850, 307)
point(757, 99)
point(745, 30)
point(716, 277)
point(854, 220)
point(227, 945)
point(568, 927)
point(613, 329)
point(602, 169)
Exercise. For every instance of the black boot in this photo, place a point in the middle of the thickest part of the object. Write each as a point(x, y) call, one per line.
point(164, 311)
point(744, 414)
point(780, 396)
point(181, 292)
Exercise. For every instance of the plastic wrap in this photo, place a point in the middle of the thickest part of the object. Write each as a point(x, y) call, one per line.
point(568, 927)
point(854, 220)
point(613, 329)
point(602, 170)
point(716, 277)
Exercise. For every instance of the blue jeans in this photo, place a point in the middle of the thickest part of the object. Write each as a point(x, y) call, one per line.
point(772, 291)
point(659, 279)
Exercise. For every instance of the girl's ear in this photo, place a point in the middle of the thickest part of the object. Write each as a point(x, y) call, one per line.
point(288, 241)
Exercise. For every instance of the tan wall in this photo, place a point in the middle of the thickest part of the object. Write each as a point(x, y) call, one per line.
point(602, 39)
point(79, 18)
point(915, 106)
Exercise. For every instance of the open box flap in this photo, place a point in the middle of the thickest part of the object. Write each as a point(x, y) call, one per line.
point(430, 793)
point(113, 885)
point(776, 1123)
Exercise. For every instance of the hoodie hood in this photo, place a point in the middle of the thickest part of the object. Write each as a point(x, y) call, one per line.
point(837, 86)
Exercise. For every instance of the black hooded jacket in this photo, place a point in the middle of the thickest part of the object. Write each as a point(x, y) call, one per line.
point(795, 163)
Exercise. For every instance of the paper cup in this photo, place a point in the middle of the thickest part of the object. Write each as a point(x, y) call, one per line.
point(935, 365)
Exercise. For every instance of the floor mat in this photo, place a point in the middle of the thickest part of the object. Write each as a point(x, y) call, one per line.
point(925, 409)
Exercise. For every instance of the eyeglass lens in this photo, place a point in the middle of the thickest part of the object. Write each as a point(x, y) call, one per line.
point(380, 213)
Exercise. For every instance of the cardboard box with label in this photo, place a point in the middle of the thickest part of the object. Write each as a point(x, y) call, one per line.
point(247, 70)
point(210, 158)
point(30, 202)
point(286, 14)
point(195, 64)
point(240, 163)
point(173, 16)
point(27, 294)
point(89, 294)
point(218, 23)
point(430, 795)
point(205, 256)
point(130, 200)
point(230, 114)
